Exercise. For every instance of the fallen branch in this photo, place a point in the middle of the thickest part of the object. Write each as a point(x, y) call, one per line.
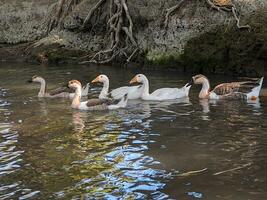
point(233, 169)
point(192, 172)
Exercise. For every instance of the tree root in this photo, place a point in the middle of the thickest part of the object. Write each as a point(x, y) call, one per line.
point(227, 6)
point(219, 5)
point(120, 27)
point(91, 12)
point(61, 10)
point(169, 11)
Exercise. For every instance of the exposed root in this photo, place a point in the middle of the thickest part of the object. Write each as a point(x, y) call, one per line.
point(169, 11)
point(130, 57)
point(227, 6)
point(238, 20)
point(219, 5)
point(91, 12)
point(60, 11)
point(120, 27)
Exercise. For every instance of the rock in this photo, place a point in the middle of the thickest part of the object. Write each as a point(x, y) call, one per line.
point(198, 38)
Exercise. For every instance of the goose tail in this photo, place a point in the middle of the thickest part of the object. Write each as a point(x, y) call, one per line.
point(254, 94)
point(187, 88)
point(85, 89)
point(122, 103)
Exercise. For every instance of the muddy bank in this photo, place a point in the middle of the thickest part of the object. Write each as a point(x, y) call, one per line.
point(197, 38)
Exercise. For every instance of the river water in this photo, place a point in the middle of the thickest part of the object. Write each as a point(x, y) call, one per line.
point(184, 149)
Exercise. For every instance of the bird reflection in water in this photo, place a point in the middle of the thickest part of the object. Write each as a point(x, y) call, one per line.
point(205, 108)
point(78, 121)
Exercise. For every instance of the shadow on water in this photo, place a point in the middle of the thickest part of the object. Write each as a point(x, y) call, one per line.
point(150, 150)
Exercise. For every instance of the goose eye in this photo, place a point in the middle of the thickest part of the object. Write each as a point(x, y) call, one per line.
point(101, 76)
point(139, 76)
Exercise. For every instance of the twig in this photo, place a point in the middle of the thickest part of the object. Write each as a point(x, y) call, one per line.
point(130, 57)
point(233, 169)
point(238, 20)
point(170, 11)
point(192, 172)
point(228, 7)
point(88, 17)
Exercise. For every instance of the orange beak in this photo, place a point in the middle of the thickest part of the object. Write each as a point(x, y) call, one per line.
point(134, 80)
point(95, 80)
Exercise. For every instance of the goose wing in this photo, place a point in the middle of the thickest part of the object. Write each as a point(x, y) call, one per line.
point(95, 102)
point(235, 87)
point(134, 92)
point(164, 92)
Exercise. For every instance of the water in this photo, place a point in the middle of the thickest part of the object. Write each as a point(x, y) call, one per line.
point(50, 151)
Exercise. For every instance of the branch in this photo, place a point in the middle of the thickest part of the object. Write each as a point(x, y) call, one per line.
point(238, 20)
point(130, 57)
point(228, 7)
point(88, 17)
point(233, 169)
point(170, 11)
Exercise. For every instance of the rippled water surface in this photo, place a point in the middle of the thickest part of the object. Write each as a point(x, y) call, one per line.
point(183, 149)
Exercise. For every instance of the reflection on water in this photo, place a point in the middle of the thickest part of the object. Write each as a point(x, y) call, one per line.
point(50, 151)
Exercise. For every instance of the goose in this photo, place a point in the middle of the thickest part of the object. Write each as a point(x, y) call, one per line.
point(249, 89)
point(58, 92)
point(94, 104)
point(161, 94)
point(134, 92)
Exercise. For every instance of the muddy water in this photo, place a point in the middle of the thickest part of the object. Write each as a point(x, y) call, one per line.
point(184, 149)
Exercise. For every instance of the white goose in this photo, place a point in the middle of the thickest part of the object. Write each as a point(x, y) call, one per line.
point(161, 94)
point(104, 104)
point(59, 92)
point(249, 89)
point(134, 92)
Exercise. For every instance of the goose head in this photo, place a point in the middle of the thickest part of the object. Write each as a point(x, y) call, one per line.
point(139, 78)
point(36, 79)
point(74, 84)
point(204, 81)
point(199, 79)
point(100, 79)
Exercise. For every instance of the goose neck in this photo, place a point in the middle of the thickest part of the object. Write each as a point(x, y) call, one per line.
point(204, 93)
point(146, 87)
point(77, 98)
point(42, 88)
point(104, 92)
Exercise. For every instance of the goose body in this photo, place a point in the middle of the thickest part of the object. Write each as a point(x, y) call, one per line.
point(133, 92)
point(62, 92)
point(161, 94)
point(94, 104)
point(248, 89)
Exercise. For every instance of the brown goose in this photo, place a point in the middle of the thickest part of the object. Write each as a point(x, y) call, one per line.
point(63, 92)
point(249, 89)
point(94, 104)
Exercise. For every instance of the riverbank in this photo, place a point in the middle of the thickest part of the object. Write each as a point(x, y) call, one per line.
point(196, 39)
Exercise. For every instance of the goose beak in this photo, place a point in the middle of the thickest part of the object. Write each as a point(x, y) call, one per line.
point(29, 81)
point(134, 80)
point(95, 80)
point(191, 82)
